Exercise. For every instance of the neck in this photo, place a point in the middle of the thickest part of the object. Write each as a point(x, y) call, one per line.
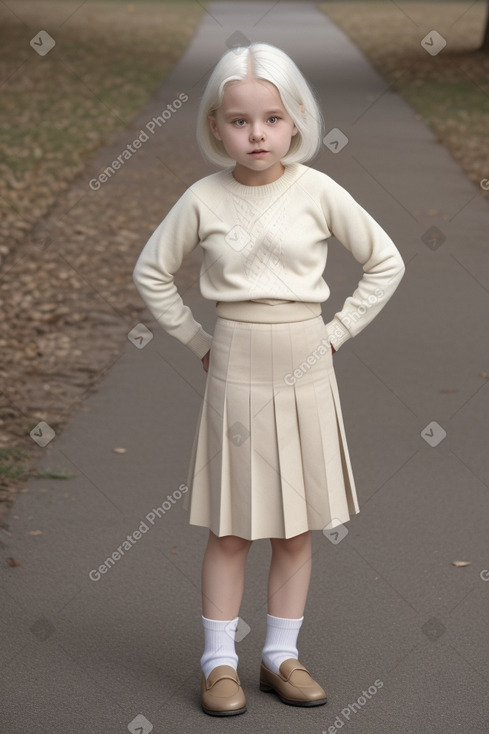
point(258, 178)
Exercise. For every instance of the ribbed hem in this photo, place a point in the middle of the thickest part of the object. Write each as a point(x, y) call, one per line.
point(200, 343)
point(337, 333)
point(291, 173)
point(284, 623)
point(220, 624)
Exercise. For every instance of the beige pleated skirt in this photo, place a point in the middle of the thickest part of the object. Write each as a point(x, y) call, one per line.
point(270, 457)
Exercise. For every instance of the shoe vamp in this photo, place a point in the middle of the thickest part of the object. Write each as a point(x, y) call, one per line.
point(301, 679)
point(224, 689)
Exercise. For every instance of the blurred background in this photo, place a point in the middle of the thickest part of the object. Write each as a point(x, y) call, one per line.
point(72, 76)
point(94, 430)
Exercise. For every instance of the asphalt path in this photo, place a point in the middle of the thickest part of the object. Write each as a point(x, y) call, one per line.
point(395, 632)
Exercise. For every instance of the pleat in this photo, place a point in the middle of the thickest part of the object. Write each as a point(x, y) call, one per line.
point(236, 466)
point(267, 506)
point(205, 471)
point(316, 455)
point(346, 466)
point(290, 466)
point(200, 495)
point(269, 458)
point(192, 460)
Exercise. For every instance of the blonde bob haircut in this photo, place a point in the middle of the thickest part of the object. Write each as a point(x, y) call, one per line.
point(262, 61)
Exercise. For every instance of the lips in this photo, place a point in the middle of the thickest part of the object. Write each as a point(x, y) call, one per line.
point(253, 152)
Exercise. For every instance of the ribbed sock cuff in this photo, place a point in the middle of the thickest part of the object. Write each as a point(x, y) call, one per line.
point(219, 644)
point(284, 623)
point(281, 641)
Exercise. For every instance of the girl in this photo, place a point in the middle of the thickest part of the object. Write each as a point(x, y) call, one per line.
point(270, 458)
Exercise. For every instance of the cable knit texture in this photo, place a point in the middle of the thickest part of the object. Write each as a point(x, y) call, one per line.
point(266, 242)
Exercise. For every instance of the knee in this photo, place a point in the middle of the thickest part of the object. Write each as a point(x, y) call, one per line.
point(232, 544)
point(298, 544)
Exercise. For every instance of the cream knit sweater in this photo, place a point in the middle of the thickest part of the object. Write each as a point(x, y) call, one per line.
point(266, 242)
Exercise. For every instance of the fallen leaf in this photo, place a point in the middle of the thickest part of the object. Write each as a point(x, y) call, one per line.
point(12, 562)
point(174, 549)
point(35, 532)
point(119, 451)
point(485, 374)
point(460, 564)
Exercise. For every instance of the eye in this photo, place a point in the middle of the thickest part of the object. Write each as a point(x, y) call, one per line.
point(274, 117)
point(235, 122)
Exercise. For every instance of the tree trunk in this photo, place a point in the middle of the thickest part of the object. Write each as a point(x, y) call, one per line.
point(485, 41)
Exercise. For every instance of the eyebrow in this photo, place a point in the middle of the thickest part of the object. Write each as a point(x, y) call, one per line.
point(243, 114)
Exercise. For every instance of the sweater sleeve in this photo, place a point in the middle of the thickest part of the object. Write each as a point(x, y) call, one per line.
point(382, 263)
point(175, 237)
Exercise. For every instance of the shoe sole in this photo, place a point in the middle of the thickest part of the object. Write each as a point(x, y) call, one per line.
point(233, 712)
point(269, 689)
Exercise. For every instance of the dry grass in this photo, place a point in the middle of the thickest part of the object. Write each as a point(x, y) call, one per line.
point(450, 91)
point(58, 335)
point(58, 109)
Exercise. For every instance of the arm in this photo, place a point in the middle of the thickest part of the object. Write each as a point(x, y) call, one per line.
point(175, 237)
point(382, 263)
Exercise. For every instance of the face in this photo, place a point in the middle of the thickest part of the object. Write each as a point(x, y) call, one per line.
point(255, 130)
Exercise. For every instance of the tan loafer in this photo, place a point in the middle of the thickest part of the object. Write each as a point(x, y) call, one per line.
point(222, 694)
point(293, 684)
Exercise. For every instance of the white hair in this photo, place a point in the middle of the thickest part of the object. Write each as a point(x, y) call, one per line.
point(262, 61)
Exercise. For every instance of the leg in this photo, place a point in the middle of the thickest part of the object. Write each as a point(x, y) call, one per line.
point(223, 570)
point(288, 584)
point(290, 573)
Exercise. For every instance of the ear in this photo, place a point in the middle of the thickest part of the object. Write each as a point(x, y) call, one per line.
point(213, 126)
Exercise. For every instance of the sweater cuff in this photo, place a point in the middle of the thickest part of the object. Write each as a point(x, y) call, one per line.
point(200, 343)
point(337, 333)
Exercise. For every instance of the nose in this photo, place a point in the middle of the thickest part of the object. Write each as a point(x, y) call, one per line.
point(256, 132)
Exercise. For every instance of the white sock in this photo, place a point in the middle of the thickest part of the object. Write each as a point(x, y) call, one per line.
point(219, 644)
point(281, 641)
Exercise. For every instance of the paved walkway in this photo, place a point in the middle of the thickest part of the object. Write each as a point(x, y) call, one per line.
point(394, 631)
